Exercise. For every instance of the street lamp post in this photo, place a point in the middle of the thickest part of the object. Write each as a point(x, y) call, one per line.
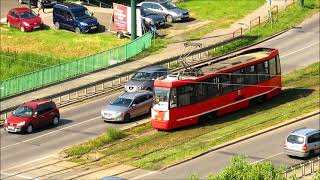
point(133, 20)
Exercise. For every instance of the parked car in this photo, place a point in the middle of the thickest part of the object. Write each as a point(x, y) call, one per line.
point(74, 17)
point(144, 78)
point(37, 3)
point(166, 9)
point(304, 142)
point(24, 19)
point(127, 106)
point(151, 18)
point(32, 115)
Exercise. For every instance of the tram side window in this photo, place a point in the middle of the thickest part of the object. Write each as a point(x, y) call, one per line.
point(200, 91)
point(226, 85)
point(173, 98)
point(185, 95)
point(278, 65)
point(272, 67)
point(238, 79)
point(251, 75)
point(213, 87)
point(263, 71)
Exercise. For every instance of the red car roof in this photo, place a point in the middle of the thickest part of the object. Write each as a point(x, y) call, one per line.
point(22, 9)
point(35, 103)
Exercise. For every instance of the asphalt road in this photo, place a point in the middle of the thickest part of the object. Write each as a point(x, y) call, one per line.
point(298, 48)
point(266, 147)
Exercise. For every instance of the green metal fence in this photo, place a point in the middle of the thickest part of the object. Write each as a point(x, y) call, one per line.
point(71, 69)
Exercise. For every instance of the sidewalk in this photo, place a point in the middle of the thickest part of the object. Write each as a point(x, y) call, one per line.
point(172, 50)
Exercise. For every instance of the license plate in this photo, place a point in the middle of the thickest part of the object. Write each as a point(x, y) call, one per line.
point(93, 27)
point(36, 27)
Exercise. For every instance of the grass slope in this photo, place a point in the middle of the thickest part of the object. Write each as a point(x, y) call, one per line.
point(26, 52)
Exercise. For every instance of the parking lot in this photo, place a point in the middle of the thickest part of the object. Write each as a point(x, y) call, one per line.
point(104, 16)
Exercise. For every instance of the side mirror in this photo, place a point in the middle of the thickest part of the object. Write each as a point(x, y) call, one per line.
point(38, 14)
point(91, 14)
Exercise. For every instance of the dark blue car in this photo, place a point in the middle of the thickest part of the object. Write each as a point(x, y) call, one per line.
point(74, 17)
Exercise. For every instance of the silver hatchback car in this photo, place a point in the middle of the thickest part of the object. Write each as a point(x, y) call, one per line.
point(304, 142)
point(127, 106)
point(144, 78)
point(166, 9)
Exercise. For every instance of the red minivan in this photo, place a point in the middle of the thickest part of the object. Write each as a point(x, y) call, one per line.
point(32, 115)
point(24, 19)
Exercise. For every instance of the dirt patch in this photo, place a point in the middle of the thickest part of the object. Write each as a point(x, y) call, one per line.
point(188, 28)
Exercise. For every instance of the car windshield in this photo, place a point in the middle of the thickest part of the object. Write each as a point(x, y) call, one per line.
point(27, 15)
point(23, 111)
point(82, 14)
point(142, 76)
point(169, 5)
point(294, 139)
point(122, 102)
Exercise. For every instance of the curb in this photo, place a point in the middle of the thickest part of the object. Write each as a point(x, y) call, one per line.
point(249, 136)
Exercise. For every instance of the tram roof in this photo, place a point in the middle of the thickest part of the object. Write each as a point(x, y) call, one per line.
point(225, 64)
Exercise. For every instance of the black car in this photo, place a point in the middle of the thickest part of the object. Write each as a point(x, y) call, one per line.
point(151, 18)
point(37, 3)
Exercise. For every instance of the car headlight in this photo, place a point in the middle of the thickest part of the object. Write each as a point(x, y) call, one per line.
point(21, 123)
point(117, 114)
point(26, 24)
point(140, 88)
point(83, 24)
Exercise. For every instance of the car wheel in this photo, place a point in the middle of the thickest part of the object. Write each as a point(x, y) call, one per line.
point(22, 29)
point(55, 121)
point(169, 19)
point(77, 30)
point(9, 25)
point(57, 25)
point(20, 1)
point(29, 129)
point(126, 118)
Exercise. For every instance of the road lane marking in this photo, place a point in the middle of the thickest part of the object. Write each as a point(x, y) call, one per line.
point(28, 162)
point(269, 157)
point(15, 175)
point(50, 133)
point(300, 49)
point(143, 175)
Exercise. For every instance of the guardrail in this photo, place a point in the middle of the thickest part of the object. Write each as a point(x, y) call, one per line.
point(52, 74)
point(303, 169)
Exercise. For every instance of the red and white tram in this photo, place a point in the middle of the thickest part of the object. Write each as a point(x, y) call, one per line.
point(222, 87)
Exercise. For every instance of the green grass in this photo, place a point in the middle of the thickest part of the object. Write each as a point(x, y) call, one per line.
point(287, 19)
point(151, 149)
point(108, 137)
point(221, 14)
point(26, 52)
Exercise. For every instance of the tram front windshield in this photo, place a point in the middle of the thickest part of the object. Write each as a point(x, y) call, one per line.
point(161, 99)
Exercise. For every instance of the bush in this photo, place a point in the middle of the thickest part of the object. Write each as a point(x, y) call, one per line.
point(241, 169)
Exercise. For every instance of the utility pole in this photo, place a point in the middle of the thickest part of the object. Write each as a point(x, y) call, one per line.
point(133, 19)
point(270, 12)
